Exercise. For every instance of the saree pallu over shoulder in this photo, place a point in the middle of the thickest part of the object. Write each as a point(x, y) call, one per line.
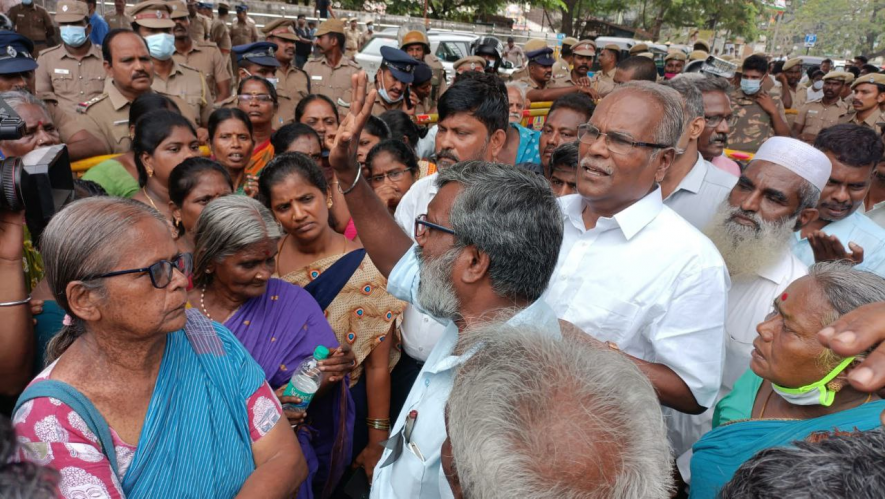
point(195, 441)
point(722, 451)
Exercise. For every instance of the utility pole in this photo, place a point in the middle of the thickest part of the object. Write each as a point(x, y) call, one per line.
point(777, 26)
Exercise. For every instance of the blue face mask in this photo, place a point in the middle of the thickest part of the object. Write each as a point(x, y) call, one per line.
point(27, 2)
point(161, 45)
point(74, 36)
point(382, 92)
point(750, 87)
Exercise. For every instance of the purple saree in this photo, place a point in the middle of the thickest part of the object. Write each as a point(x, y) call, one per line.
point(281, 328)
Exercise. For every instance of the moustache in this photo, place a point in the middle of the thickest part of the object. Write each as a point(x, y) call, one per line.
point(719, 138)
point(589, 163)
point(140, 74)
point(446, 154)
point(837, 206)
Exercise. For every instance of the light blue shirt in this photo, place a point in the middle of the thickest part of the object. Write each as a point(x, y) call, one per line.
point(856, 228)
point(100, 28)
point(409, 476)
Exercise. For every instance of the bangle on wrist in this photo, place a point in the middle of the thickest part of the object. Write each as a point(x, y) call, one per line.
point(359, 173)
point(378, 424)
point(22, 302)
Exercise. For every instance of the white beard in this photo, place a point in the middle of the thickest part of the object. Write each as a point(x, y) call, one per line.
point(436, 293)
point(746, 250)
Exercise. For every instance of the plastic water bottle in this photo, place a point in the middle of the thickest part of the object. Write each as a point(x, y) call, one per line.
point(306, 380)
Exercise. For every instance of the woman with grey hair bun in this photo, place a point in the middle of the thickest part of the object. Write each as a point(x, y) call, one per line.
point(143, 398)
point(795, 388)
point(235, 245)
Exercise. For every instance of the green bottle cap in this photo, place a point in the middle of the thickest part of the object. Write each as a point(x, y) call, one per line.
point(321, 353)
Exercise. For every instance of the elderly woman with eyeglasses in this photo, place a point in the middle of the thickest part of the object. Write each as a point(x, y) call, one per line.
point(235, 246)
point(143, 398)
point(795, 389)
point(258, 98)
point(354, 296)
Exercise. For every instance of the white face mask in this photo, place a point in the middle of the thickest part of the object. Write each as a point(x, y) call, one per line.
point(815, 393)
point(817, 85)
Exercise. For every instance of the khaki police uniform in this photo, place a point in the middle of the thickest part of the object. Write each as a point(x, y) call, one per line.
point(220, 35)
point(561, 69)
point(107, 118)
point(333, 81)
point(515, 55)
point(800, 97)
point(364, 38)
point(118, 21)
point(380, 107)
point(870, 121)
point(243, 33)
point(439, 73)
point(188, 84)
point(753, 125)
point(207, 59)
point(352, 41)
point(814, 116)
point(35, 23)
point(71, 80)
point(66, 123)
point(294, 82)
point(199, 27)
point(603, 82)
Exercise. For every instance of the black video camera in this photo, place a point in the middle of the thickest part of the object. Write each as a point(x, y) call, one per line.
point(39, 182)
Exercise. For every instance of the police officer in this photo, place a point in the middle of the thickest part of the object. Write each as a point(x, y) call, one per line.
point(330, 75)
point(563, 66)
point(170, 77)
point(243, 32)
point(352, 38)
point(583, 53)
point(367, 35)
point(73, 71)
point(392, 82)
point(219, 33)
point(603, 82)
point(815, 115)
point(759, 114)
point(292, 81)
point(17, 73)
point(415, 44)
point(869, 95)
point(33, 22)
point(131, 71)
point(118, 18)
point(201, 55)
point(674, 63)
point(540, 72)
point(259, 59)
point(198, 24)
point(422, 87)
point(793, 96)
point(469, 63)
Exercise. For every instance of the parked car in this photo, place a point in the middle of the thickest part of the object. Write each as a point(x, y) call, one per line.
point(448, 47)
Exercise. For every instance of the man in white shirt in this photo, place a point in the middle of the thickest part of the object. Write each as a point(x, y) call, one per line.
point(693, 187)
point(631, 271)
point(472, 124)
point(753, 229)
point(463, 271)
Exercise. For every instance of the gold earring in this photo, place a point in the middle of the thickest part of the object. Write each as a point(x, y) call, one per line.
point(329, 203)
point(150, 172)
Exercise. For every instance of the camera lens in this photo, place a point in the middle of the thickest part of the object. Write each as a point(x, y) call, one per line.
point(10, 178)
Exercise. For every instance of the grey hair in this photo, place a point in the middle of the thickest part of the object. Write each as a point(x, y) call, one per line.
point(533, 416)
point(846, 287)
point(712, 84)
point(511, 215)
point(520, 87)
point(228, 225)
point(83, 240)
point(809, 195)
point(16, 99)
point(669, 129)
point(692, 98)
point(842, 465)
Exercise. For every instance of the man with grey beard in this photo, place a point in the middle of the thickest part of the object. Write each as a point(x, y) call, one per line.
point(753, 229)
point(467, 266)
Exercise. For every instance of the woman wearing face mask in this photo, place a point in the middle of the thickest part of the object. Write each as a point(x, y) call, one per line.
point(230, 137)
point(119, 175)
point(163, 139)
point(192, 185)
point(795, 388)
point(257, 97)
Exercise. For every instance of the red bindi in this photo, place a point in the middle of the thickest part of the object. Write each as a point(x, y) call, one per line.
point(784, 297)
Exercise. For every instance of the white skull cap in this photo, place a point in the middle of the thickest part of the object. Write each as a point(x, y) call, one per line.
point(798, 157)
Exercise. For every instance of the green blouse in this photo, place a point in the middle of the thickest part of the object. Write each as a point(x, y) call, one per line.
point(114, 178)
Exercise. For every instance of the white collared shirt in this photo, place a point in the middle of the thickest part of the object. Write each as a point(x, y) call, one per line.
point(420, 331)
point(409, 477)
point(649, 282)
point(700, 193)
point(749, 301)
point(856, 228)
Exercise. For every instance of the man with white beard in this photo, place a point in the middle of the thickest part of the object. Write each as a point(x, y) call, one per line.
point(776, 195)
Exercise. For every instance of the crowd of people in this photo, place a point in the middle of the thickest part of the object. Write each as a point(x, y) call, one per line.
point(599, 302)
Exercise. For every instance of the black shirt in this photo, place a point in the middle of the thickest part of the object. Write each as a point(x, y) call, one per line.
point(302, 48)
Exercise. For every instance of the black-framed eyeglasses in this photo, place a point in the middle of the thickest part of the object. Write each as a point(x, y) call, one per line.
point(160, 272)
point(422, 225)
point(617, 142)
point(714, 121)
point(394, 176)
